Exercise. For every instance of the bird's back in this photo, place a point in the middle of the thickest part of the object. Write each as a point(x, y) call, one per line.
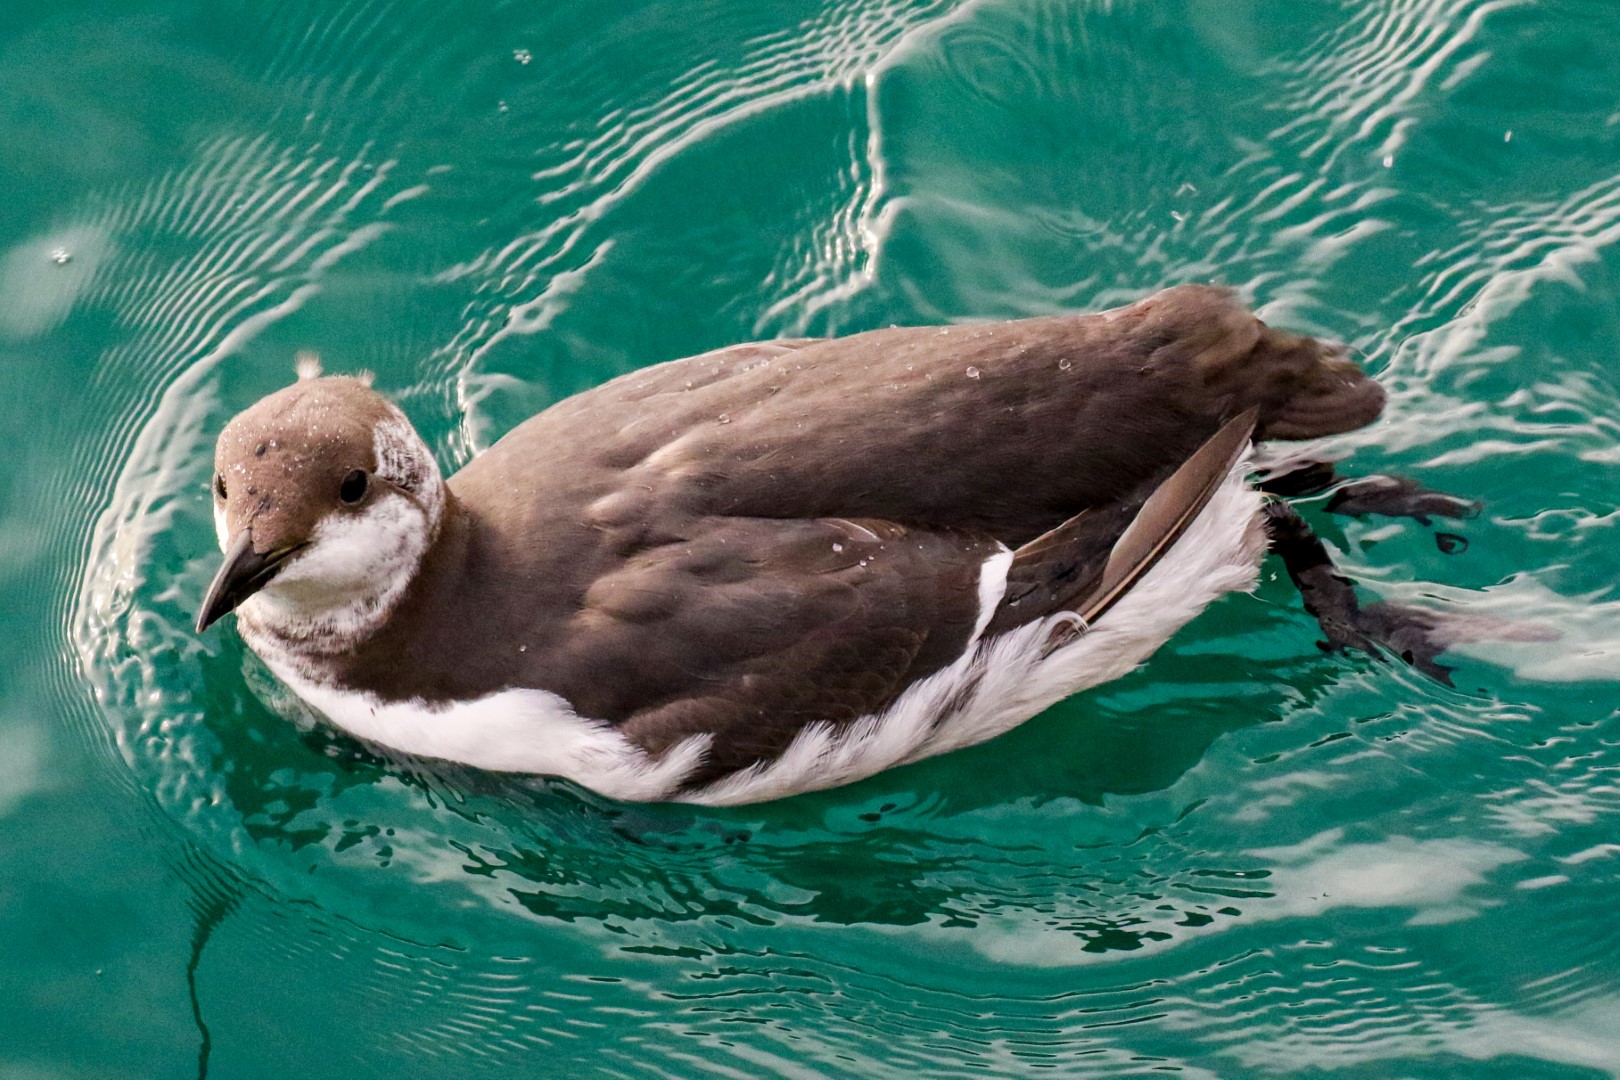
point(1006, 428)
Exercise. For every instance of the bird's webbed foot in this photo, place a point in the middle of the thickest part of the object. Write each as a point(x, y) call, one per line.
point(1386, 496)
point(1416, 635)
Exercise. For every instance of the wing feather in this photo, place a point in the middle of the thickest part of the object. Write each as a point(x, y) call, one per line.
point(1086, 564)
point(1167, 513)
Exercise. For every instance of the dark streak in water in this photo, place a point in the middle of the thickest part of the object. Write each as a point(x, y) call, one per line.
point(215, 896)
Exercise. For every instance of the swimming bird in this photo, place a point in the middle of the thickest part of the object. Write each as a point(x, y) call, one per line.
point(778, 566)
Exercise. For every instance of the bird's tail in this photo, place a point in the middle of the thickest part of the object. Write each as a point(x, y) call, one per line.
point(1302, 387)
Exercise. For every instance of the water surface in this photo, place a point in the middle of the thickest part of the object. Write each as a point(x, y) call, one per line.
point(1246, 859)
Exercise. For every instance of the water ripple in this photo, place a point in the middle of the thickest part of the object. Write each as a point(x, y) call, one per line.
point(1363, 86)
point(1248, 859)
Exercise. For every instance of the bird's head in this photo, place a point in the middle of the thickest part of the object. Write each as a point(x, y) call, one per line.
point(325, 502)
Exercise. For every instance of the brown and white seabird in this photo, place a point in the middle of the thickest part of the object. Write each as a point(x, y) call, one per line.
point(775, 567)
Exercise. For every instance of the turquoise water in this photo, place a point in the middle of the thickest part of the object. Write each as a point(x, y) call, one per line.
point(1246, 859)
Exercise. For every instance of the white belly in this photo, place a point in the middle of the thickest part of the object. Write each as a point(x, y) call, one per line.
point(995, 686)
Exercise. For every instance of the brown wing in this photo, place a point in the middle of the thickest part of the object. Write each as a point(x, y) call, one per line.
point(1165, 515)
point(1086, 564)
point(1008, 429)
point(797, 623)
point(752, 629)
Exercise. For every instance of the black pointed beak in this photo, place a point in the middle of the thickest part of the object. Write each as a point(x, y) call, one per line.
point(243, 573)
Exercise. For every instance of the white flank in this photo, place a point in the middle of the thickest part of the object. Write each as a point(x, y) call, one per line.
point(992, 587)
point(994, 686)
point(524, 731)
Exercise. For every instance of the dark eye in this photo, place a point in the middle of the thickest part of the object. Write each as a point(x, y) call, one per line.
point(354, 487)
point(219, 486)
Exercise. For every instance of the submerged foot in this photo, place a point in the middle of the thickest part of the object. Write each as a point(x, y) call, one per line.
point(1399, 496)
point(1386, 496)
point(1416, 635)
